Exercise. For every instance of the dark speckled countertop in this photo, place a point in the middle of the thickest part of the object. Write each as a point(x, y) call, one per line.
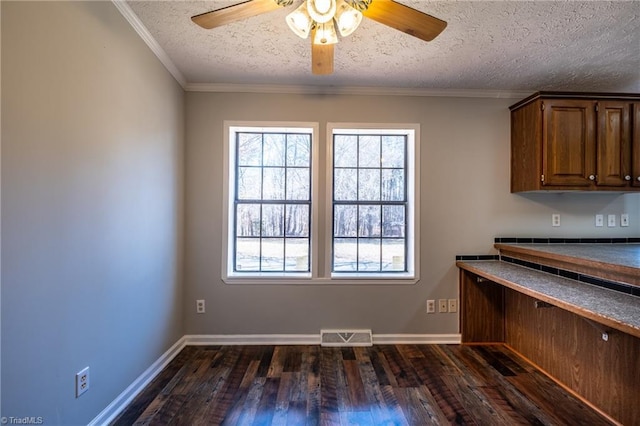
point(610, 308)
point(626, 255)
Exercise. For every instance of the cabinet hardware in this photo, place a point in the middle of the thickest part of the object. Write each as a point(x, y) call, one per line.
point(542, 178)
point(481, 280)
point(605, 331)
point(592, 177)
point(627, 177)
point(540, 304)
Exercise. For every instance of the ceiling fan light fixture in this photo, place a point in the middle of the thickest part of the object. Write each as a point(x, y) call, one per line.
point(321, 11)
point(347, 18)
point(300, 22)
point(325, 34)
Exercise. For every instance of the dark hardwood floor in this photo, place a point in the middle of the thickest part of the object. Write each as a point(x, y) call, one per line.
point(379, 385)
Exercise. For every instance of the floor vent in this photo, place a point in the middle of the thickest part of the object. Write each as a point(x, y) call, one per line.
point(346, 338)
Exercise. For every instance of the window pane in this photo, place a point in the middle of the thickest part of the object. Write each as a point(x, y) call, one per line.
point(345, 220)
point(248, 220)
point(369, 255)
point(369, 184)
point(249, 183)
point(299, 150)
point(393, 151)
point(273, 254)
point(345, 184)
point(393, 185)
point(345, 253)
point(247, 254)
point(274, 149)
point(249, 149)
point(369, 151)
point(297, 255)
point(297, 220)
point(393, 255)
point(273, 184)
point(345, 151)
point(272, 220)
point(393, 221)
point(298, 184)
point(369, 221)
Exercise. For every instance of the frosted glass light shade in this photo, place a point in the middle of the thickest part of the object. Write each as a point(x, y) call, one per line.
point(300, 22)
point(347, 18)
point(321, 10)
point(325, 34)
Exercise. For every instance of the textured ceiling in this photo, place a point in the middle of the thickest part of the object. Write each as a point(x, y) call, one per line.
point(504, 45)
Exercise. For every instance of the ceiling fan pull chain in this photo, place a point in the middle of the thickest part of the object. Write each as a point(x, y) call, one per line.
point(284, 3)
point(359, 5)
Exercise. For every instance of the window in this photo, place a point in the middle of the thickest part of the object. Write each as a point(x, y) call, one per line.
point(369, 203)
point(273, 232)
point(373, 202)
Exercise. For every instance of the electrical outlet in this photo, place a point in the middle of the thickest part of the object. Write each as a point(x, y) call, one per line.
point(200, 306)
point(624, 219)
point(555, 219)
point(599, 220)
point(453, 305)
point(82, 381)
point(442, 305)
point(431, 306)
point(611, 221)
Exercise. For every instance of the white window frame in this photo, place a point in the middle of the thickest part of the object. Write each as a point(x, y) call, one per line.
point(321, 274)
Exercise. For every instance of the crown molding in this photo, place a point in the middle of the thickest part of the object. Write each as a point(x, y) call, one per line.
point(353, 90)
point(146, 36)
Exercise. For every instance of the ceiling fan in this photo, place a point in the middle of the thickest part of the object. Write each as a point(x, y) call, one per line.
point(319, 18)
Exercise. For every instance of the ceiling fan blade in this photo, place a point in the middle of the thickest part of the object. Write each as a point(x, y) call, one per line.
point(405, 19)
point(237, 12)
point(322, 59)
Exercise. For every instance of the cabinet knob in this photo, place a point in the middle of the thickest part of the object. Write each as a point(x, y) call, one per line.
point(638, 178)
point(592, 177)
point(627, 177)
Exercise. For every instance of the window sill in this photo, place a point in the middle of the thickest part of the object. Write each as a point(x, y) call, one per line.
point(336, 280)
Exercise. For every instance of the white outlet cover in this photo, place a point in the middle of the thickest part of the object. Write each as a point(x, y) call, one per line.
point(82, 381)
point(599, 220)
point(611, 221)
point(555, 219)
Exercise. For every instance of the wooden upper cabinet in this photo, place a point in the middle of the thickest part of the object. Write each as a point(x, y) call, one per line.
point(635, 146)
point(614, 149)
point(571, 141)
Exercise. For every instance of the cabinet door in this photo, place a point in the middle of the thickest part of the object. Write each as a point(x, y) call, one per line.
point(635, 147)
point(613, 141)
point(569, 142)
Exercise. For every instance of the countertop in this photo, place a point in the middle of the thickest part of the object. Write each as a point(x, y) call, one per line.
point(625, 255)
point(610, 308)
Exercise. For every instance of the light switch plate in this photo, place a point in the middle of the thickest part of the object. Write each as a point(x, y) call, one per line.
point(611, 221)
point(624, 219)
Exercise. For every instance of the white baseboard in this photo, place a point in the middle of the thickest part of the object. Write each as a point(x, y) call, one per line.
point(120, 403)
point(252, 339)
point(417, 339)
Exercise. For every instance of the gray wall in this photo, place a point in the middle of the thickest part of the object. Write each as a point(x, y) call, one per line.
point(465, 204)
point(92, 153)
